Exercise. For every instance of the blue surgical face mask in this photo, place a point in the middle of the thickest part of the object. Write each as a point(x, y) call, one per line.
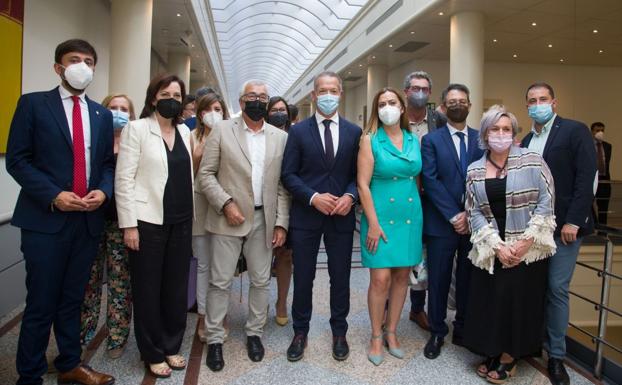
point(541, 113)
point(328, 103)
point(119, 119)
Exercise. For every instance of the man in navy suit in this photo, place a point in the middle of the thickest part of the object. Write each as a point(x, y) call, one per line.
point(568, 149)
point(60, 153)
point(319, 170)
point(447, 153)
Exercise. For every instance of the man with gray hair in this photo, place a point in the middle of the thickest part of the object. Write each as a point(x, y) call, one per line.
point(248, 212)
point(422, 119)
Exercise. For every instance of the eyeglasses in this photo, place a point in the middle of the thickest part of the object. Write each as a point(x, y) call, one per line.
point(425, 90)
point(251, 97)
point(454, 103)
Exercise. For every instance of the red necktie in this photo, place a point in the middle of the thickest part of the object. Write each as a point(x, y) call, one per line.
point(79, 163)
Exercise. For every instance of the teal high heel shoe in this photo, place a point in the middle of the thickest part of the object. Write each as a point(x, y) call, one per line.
point(376, 359)
point(395, 352)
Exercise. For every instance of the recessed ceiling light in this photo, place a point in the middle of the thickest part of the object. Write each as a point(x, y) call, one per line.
point(164, 30)
point(494, 40)
point(349, 72)
point(515, 55)
point(600, 51)
point(193, 46)
point(550, 45)
point(179, 15)
point(533, 24)
point(373, 57)
point(390, 45)
point(360, 65)
point(561, 60)
point(412, 32)
point(440, 13)
point(594, 31)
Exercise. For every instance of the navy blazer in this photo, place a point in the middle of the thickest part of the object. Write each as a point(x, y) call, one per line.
point(305, 171)
point(570, 154)
point(443, 181)
point(40, 158)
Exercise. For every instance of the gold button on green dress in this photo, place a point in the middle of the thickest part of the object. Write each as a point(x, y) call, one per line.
point(396, 200)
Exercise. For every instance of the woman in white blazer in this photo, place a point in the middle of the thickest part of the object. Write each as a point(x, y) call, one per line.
point(211, 109)
point(154, 195)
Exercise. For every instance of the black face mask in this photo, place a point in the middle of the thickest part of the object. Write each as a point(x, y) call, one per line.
point(457, 114)
point(255, 110)
point(168, 108)
point(278, 119)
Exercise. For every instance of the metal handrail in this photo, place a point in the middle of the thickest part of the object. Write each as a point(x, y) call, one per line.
point(603, 306)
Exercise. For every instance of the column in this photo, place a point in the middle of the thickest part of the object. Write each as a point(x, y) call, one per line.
point(377, 79)
point(466, 59)
point(130, 54)
point(179, 64)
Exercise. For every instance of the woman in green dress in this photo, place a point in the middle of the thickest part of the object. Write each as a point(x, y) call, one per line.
point(389, 163)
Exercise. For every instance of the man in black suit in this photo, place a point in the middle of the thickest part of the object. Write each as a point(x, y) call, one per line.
point(319, 170)
point(568, 149)
point(603, 157)
point(60, 152)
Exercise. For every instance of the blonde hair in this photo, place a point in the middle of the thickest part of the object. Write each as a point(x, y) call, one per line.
point(108, 99)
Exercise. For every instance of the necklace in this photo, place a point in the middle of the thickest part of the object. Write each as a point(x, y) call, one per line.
point(501, 171)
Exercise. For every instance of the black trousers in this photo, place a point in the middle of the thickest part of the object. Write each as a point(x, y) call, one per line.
point(305, 245)
point(603, 194)
point(159, 276)
point(57, 270)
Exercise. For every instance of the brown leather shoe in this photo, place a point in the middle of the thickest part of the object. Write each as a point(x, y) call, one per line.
point(421, 319)
point(83, 374)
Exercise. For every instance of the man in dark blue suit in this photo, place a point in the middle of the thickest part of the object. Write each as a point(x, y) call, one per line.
point(319, 170)
point(60, 152)
point(446, 154)
point(568, 149)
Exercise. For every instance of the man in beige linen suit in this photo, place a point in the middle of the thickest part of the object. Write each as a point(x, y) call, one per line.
point(248, 212)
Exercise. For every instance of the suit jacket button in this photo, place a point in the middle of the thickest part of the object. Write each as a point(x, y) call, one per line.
point(410, 199)
point(391, 200)
point(408, 221)
point(391, 222)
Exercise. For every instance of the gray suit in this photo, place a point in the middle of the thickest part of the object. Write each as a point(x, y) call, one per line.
point(226, 173)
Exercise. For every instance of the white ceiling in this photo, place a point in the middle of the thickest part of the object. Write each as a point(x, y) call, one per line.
point(567, 25)
point(171, 33)
point(275, 41)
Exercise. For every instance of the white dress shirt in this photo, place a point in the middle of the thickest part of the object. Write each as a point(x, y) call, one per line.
point(65, 96)
point(256, 142)
point(334, 129)
point(456, 138)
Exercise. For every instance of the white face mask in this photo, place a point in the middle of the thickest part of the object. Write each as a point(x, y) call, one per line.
point(389, 115)
point(599, 135)
point(210, 119)
point(78, 75)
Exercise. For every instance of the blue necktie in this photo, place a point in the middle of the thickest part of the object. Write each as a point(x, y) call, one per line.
point(463, 153)
point(329, 150)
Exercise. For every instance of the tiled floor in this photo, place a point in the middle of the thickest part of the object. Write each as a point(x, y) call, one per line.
point(454, 366)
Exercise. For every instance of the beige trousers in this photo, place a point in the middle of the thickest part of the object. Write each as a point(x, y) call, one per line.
point(223, 258)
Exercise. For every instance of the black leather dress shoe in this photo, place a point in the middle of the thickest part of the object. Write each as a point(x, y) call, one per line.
point(214, 359)
point(255, 348)
point(433, 347)
point(297, 348)
point(557, 372)
point(341, 350)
